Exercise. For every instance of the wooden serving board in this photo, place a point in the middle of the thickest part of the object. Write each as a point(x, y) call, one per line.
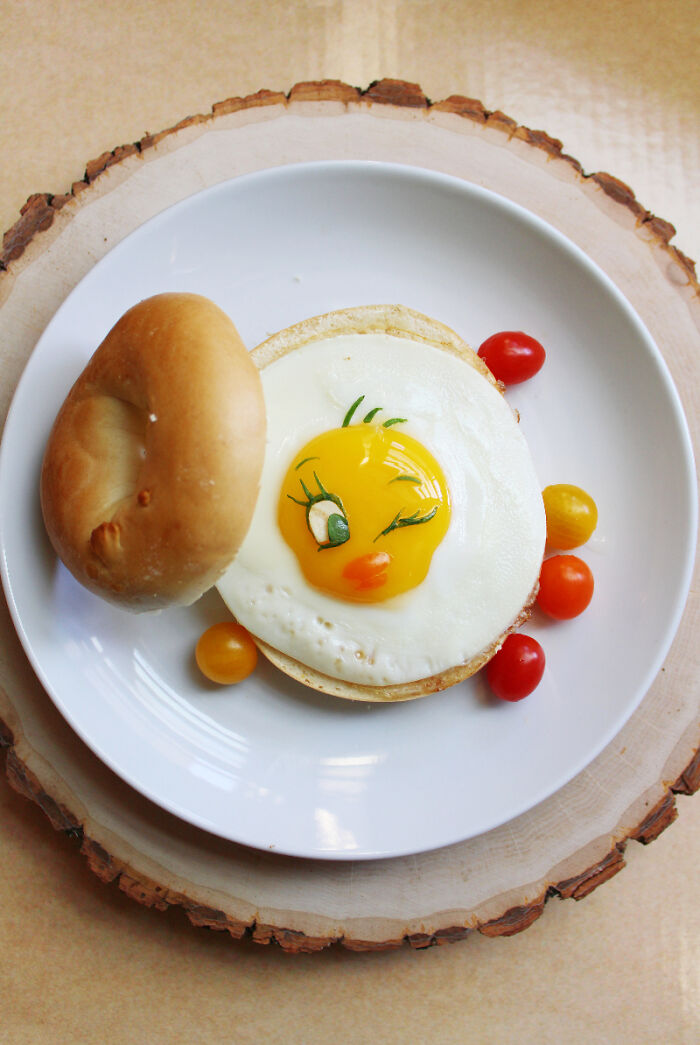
point(498, 883)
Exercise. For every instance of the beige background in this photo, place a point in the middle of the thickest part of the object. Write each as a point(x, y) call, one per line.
point(619, 83)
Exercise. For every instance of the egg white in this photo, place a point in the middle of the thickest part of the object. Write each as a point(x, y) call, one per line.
point(486, 566)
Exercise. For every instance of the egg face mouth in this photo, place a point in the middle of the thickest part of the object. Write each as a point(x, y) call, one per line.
point(363, 507)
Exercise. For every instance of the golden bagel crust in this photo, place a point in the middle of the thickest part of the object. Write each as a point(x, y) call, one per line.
point(398, 321)
point(151, 471)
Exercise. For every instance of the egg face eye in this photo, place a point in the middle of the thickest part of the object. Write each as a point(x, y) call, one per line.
point(373, 501)
point(327, 524)
point(325, 516)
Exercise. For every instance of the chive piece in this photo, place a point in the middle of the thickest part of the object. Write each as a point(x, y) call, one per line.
point(298, 466)
point(405, 479)
point(351, 411)
point(373, 412)
point(394, 421)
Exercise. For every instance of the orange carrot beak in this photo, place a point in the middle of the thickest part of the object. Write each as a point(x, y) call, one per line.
point(368, 571)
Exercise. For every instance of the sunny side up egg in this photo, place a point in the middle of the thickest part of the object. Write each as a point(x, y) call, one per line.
point(399, 528)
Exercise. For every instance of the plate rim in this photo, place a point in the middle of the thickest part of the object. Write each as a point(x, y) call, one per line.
point(409, 170)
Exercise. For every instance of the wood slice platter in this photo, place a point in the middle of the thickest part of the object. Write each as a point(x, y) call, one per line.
point(498, 883)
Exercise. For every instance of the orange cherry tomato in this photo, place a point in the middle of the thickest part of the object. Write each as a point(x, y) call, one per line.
point(572, 515)
point(566, 586)
point(226, 653)
point(517, 669)
point(512, 356)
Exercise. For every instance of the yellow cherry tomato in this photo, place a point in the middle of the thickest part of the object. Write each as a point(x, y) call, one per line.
point(226, 653)
point(572, 515)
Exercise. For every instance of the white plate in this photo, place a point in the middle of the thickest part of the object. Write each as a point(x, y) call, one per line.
point(268, 763)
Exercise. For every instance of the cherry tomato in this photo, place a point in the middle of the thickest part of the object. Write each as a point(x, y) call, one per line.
point(566, 586)
point(572, 515)
point(226, 653)
point(517, 668)
point(512, 356)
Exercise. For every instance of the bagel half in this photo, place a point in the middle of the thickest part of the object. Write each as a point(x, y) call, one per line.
point(151, 471)
point(404, 323)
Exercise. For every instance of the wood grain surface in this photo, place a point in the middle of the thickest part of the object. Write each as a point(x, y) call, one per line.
point(165, 874)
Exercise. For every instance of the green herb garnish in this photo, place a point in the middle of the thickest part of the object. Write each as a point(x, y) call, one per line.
point(338, 531)
point(373, 412)
point(298, 466)
point(351, 411)
point(394, 421)
point(405, 479)
point(409, 520)
point(370, 415)
point(337, 528)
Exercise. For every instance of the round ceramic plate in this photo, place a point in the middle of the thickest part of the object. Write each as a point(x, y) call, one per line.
point(269, 763)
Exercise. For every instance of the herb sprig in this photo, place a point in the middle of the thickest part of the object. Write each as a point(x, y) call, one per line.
point(370, 415)
point(298, 466)
point(338, 528)
point(408, 520)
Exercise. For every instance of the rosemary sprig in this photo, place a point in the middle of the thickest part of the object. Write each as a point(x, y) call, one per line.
point(409, 520)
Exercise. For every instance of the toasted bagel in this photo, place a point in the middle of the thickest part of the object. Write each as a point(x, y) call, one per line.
point(151, 471)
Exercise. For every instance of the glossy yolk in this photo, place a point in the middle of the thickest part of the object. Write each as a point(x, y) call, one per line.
point(380, 477)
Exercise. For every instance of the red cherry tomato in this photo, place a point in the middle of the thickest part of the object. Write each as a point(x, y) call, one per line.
point(517, 668)
point(512, 356)
point(566, 586)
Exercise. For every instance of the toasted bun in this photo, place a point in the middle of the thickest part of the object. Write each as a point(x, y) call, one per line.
point(403, 323)
point(396, 320)
point(388, 694)
point(151, 471)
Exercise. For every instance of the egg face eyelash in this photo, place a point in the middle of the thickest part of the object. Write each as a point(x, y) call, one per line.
point(409, 520)
point(348, 417)
point(327, 526)
point(298, 466)
point(370, 415)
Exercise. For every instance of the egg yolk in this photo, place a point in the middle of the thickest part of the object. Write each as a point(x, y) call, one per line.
point(363, 508)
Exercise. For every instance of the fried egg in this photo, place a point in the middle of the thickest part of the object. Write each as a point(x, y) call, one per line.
point(399, 528)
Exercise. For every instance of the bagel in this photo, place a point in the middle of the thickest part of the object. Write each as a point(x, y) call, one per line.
point(301, 630)
point(151, 471)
